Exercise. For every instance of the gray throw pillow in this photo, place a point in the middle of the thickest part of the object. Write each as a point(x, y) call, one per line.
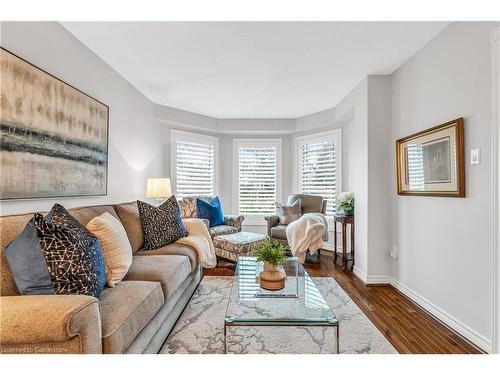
point(27, 262)
point(287, 214)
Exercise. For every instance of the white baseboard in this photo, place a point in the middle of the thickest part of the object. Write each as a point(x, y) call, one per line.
point(452, 322)
point(359, 274)
point(378, 280)
point(371, 279)
point(441, 315)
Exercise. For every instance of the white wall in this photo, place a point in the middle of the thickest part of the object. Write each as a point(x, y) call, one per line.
point(135, 144)
point(495, 122)
point(380, 180)
point(445, 243)
point(353, 114)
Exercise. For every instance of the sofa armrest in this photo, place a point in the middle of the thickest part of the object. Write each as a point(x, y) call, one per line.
point(49, 319)
point(234, 221)
point(272, 221)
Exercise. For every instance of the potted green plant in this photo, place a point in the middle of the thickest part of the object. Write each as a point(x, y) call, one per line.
point(272, 253)
point(346, 203)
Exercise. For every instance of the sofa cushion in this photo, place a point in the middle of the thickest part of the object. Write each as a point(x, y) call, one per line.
point(221, 230)
point(279, 231)
point(129, 216)
point(121, 322)
point(169, 270)
point(85, 214)
point(175, 249)
point(309, 203)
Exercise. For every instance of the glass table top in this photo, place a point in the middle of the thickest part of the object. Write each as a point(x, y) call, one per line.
point(299, 302)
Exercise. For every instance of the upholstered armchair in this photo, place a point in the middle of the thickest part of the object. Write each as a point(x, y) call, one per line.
point(309, 203)
point(232, 223)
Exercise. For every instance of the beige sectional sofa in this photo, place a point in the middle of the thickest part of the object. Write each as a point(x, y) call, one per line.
point(135, 316)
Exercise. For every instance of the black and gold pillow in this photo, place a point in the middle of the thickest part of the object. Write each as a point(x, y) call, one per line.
point(161, 225)
point(74, 260)
point(58, 215)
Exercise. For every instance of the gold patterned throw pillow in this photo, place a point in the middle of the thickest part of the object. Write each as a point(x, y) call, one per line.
point(161, 225)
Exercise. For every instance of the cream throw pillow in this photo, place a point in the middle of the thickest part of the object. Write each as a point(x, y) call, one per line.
point(115, 246)
point(287, 214)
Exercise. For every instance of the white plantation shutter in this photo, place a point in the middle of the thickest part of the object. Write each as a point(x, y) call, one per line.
point(415, 160)
point(318, 171)
point(194, 164)
point(258, 176)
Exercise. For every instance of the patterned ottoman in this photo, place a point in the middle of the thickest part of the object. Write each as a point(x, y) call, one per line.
point(231, 246)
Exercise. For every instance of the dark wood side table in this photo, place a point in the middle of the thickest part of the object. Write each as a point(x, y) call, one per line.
point(344, 220)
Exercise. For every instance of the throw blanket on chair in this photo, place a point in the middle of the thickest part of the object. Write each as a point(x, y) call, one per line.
point(199, 239)
point(306, 233)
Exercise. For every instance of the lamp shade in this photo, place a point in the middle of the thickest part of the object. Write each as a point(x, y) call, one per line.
point(158, 188)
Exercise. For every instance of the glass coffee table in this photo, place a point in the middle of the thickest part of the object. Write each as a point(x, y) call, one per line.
point(298, 304)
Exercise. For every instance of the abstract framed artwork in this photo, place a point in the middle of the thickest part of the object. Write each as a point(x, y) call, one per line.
point(431, 162)
point(53, 137)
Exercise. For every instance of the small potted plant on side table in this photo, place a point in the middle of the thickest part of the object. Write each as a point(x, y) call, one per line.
point(346, 203)
point(272, 253)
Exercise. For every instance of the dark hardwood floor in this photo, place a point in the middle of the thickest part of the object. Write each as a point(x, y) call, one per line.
point(407, 326)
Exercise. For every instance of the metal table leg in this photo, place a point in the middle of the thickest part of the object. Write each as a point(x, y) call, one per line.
point(225, 340)
point(338, 339)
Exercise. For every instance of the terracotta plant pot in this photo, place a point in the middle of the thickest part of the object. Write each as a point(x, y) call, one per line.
point(272, 278)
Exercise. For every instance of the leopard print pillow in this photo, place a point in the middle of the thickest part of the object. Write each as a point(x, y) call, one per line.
point(161, 225)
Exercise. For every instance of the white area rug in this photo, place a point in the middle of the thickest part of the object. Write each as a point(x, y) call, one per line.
point(200, 328)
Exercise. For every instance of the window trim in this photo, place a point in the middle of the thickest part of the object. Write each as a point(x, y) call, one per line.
point(238, 142)
point(296, 168)
point(182, 135)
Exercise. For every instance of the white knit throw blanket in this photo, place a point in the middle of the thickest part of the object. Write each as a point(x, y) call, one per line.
point(306, 233)
point(199, 239)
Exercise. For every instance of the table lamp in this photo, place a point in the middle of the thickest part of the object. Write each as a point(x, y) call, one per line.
point(158, 188)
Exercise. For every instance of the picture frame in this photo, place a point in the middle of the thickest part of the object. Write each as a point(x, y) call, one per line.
point(54, 137)
point(431, 162)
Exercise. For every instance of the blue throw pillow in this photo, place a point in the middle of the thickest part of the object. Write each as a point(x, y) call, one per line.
point(212, 211)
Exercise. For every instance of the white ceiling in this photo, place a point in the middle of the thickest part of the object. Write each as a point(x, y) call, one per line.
point(252, 69)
